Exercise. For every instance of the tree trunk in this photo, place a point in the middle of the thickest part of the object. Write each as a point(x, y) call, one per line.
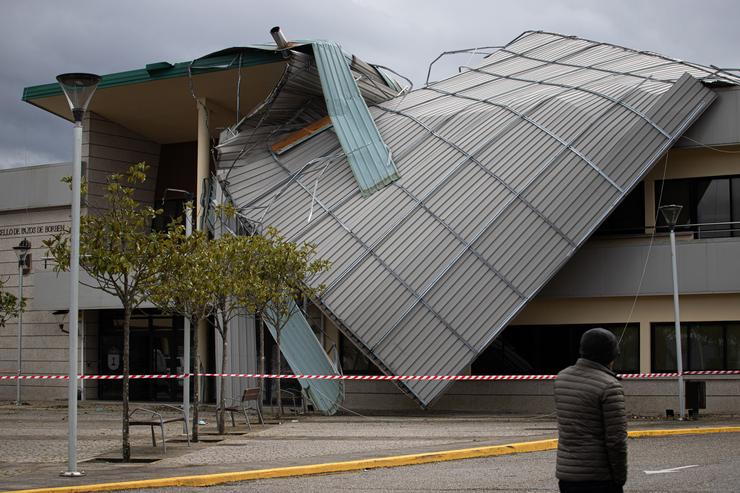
point(196, 380)
point(222, 381)
point(279, 380)
point(126, 445)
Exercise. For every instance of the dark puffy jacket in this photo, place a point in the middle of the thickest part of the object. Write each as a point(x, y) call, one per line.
point(592, 424)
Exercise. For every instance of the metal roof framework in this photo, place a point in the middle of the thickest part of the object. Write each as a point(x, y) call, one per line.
point(506, 169)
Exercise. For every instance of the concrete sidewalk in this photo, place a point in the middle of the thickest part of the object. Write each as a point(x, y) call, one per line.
point(33, 445)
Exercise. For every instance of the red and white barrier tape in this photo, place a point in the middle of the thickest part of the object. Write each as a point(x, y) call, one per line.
point(630, 376)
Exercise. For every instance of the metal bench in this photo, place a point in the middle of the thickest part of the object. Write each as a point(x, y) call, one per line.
point(156, 419)
point(240, 406)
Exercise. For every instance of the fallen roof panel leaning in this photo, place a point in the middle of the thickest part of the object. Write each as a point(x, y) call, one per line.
point(506, 169)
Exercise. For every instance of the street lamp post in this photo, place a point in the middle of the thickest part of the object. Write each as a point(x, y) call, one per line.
point(670, 214)
point(186, 335)
point(21, 251)
point(79, 89)
point(186, 322)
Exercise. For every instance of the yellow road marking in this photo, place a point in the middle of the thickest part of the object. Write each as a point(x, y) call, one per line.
point(356, 465)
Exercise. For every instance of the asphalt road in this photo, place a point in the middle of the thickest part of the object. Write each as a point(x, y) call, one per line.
point(714, 459)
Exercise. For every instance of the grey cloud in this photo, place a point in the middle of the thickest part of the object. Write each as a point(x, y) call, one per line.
point(39, 39)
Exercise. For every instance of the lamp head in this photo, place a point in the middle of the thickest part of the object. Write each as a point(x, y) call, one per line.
point(671, 213)
point(79, 89)
point(22, 249)
point(61, 317)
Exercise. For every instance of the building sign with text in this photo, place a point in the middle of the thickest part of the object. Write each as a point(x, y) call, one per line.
point(41, 229)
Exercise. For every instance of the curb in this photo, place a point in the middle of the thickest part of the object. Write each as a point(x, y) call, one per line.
point(683, 431)
point(356, 465)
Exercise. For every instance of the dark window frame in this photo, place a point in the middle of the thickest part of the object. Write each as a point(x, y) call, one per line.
point(539, 355)
point(687, 326)
point(370, 368)
point(693, 210)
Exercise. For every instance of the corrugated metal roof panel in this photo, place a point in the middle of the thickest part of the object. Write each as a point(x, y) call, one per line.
point(366, 152)
point(306, 356)
point(371, 218)
point(504, 175)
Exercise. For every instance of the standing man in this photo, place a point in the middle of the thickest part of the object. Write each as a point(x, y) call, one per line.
point(592, 423)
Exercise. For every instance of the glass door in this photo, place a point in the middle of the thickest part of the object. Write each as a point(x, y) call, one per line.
point(156, 347)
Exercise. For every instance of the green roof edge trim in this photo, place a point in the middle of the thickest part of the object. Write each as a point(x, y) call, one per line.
point(199, 66)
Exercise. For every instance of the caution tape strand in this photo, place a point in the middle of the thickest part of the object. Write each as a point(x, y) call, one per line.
point(626, 376)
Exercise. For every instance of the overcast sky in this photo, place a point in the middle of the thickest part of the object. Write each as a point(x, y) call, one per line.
point(40, 39)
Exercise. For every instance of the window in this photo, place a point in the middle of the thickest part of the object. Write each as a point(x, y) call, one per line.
point(629, 217)
point(547, 349)
point(704, 200)
point(354, 362)
point(156, 347)
point(704, 345)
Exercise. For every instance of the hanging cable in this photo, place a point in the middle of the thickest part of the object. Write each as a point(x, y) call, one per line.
point(238, 89)
point(713, 148)
point(650, 248)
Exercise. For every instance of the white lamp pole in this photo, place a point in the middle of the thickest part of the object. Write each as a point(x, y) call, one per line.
point(670, 214)
point(21, 251)
point(79, 89)
point(186, 322)
point(186, 334)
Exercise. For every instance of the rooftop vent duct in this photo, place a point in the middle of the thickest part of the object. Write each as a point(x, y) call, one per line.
point(280, 40)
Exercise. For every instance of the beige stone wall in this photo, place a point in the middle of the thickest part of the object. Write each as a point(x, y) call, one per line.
point(643, 397)
point(107, 148)
point(45, 347)
point(110, 148)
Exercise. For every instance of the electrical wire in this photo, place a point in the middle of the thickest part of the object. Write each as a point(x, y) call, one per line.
point(650, 249)
point(264, 109)
point(713, 148)
point(238, 89)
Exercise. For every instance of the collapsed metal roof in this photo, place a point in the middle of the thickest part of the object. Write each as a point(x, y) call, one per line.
point(505, 170)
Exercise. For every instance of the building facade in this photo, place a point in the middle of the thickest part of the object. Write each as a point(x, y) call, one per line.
point(619, 279)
